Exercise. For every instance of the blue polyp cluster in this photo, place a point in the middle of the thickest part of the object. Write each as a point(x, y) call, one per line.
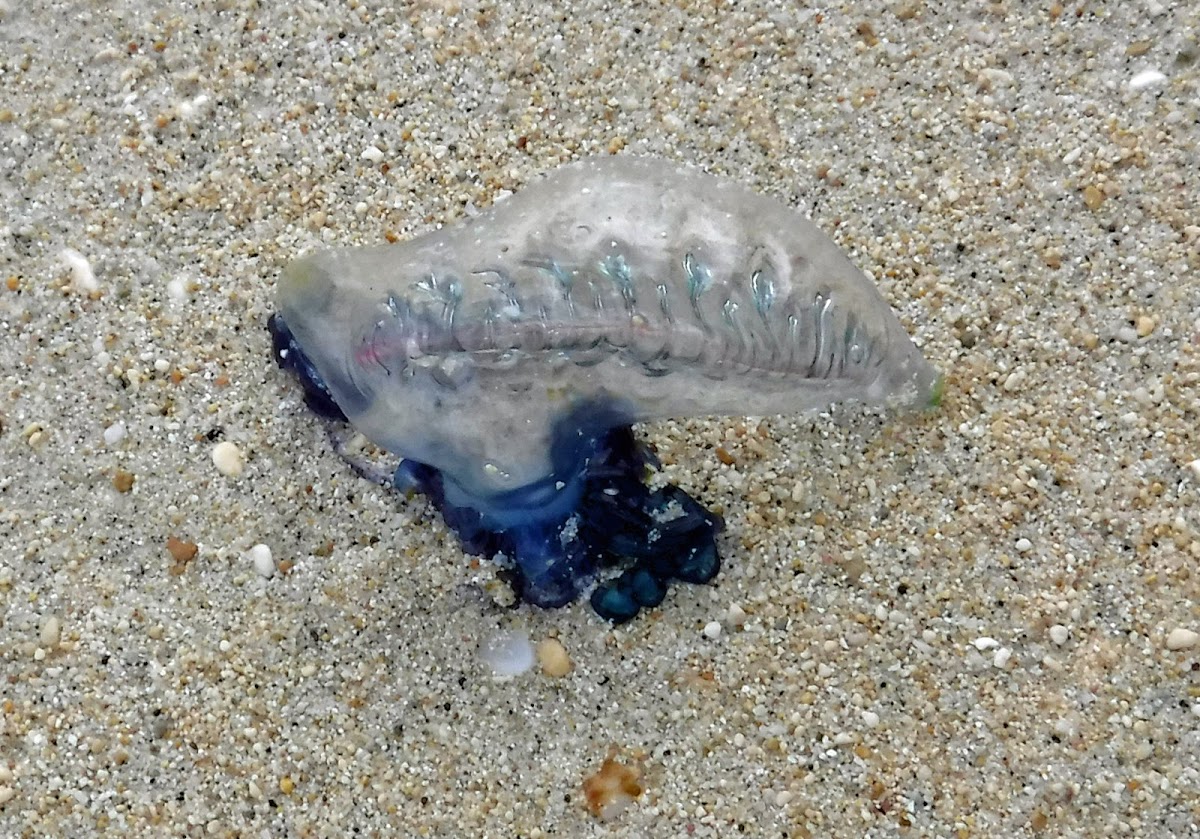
point(648, 537)
point(655, 536)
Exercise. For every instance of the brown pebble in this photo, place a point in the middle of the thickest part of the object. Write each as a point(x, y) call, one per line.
point(854, 569)
point(122, 481)
point(611, 789)
point(725, 457)
point(1093, 198)
point(553, 658)
point(182, 552)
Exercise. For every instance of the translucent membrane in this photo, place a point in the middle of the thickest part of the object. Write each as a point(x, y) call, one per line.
point(618, 289)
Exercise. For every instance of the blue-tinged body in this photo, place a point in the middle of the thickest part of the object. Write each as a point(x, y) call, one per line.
point(558, 542)
point(507, 358)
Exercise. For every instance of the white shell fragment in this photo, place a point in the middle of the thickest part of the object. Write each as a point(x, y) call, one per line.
point(81, 270)
point(263, 561)
point(1145, 79)
point(114, 433)
point(228, 459)
point(51, 632)
point(1182, 638)
point(508, 653)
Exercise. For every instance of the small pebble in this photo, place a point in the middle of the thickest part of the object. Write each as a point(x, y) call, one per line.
point(712, 630)
point(6, 795)
point(228, 459)
point(180, 550)
point(177, 290)
point(1194, 468)
point(81, 270)
point(1139, 48)
point(264, 562)
point(1092, 197)
point(1024, 545)
point(985, 643)
point(736, 616)
point(189, 109)
point(35, 435)
point(1059, 634)
point(1002, 657)
point(508, 653)
point(1182, 639)
point(51, 633)
point(372, 153)
point(1144, 326)
point(114, 434)
point(612, 789)
point(870, 719)
point(553, 659)
point(1145, 79)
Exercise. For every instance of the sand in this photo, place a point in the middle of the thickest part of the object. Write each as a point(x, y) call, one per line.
point(976, 622)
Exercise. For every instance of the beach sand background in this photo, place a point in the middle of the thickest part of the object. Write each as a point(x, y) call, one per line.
point(977, 622)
